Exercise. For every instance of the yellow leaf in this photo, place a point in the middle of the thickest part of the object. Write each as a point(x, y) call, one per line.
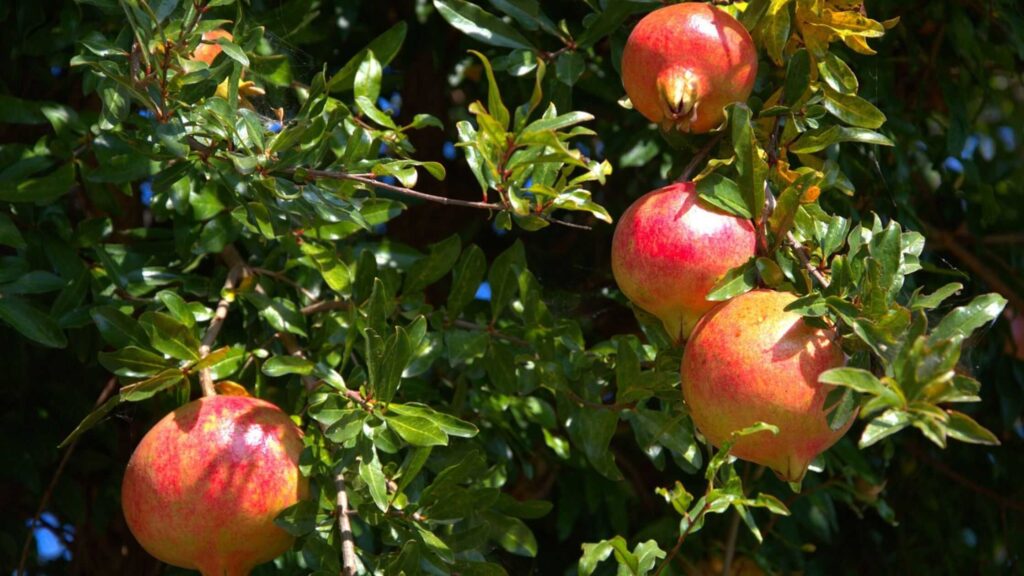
point(229, 388)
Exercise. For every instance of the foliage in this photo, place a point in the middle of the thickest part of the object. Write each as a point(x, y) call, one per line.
point(468, 374)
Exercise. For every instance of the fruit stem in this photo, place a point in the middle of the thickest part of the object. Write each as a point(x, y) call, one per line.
point(227, 294)
point(699, 157)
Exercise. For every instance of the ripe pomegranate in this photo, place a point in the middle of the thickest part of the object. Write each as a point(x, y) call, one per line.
point(684, 63)
point(208, 52)
point(669, 251)
point(751, 361)
point(203, 487)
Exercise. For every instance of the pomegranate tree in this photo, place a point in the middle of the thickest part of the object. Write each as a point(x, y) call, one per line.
point(203, 487)
point(750, 361)
point(684, 63)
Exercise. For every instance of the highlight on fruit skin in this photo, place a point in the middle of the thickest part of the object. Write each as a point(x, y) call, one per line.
point(204, 485)
point(208, 49)
point(750, 361)
point(684, 63)
point(669, 250)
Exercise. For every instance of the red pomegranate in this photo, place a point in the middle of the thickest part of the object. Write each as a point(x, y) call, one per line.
point(751, 361)
point(203, 487)
point(669, 251)
point(684, 63)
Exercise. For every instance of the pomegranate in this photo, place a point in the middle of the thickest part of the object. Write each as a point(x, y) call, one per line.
point(751, 361)
point(203, 487)
point(669, 251)
point(684, 63)
point(208, 50)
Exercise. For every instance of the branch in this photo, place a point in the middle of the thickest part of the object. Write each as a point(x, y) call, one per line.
point(801, 254)
point(107, 391)
point(219, 316)
point(730, 543)
point(348, 545)
point(977, 267)
point(490, 330)
point(370, 180)
point(326, 305)
point(336, 175)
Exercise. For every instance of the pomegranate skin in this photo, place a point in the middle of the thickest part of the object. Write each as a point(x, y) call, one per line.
point(203, 487)
point(684, 63)
point(751, 361)
point(208, 52)
point(668, 251)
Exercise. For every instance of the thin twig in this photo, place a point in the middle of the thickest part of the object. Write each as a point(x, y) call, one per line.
point(699, 157)
point(284, 278)
point(801, 254)
point(219, 316)
point(326, 305)
point(730, 543)
point(490, 330)
point(107, 391)
point(348, 545)
point(336, 175)
point(682, 538)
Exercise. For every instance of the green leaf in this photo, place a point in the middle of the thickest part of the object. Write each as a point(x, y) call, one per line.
point(335, 273)
point(963, 428)
point(91, 420)
point(503, 277)
point(594, 554)
point(368, 75)
point(855, 379)
point(281, 365)
point(514, 536)
point(384, 47)
point(35, 282)
point(837, 74)
point(298, 519)
point(448, 424)
point(170, 336)
point(9, 233)
point(438, 262)
point(117, 328)
point(417, 430)
point(774, 28)
point(555, 123)
point(480, 24)
point(739, 280)
point(927, 302)
point(233, 51)
point(851, 109)
point(798, 77)
point(466, 278)
point(372, 474)
point(133, 362)
point(281, 314)
point(569, 67)
point(723, 194)
point(31, 322)
point(148, 388)
point(495, 107)
point(40, 190)
point(750, 165)
point(888, 423)
point(177, 306)
point(821, 138)
point(961, 322)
